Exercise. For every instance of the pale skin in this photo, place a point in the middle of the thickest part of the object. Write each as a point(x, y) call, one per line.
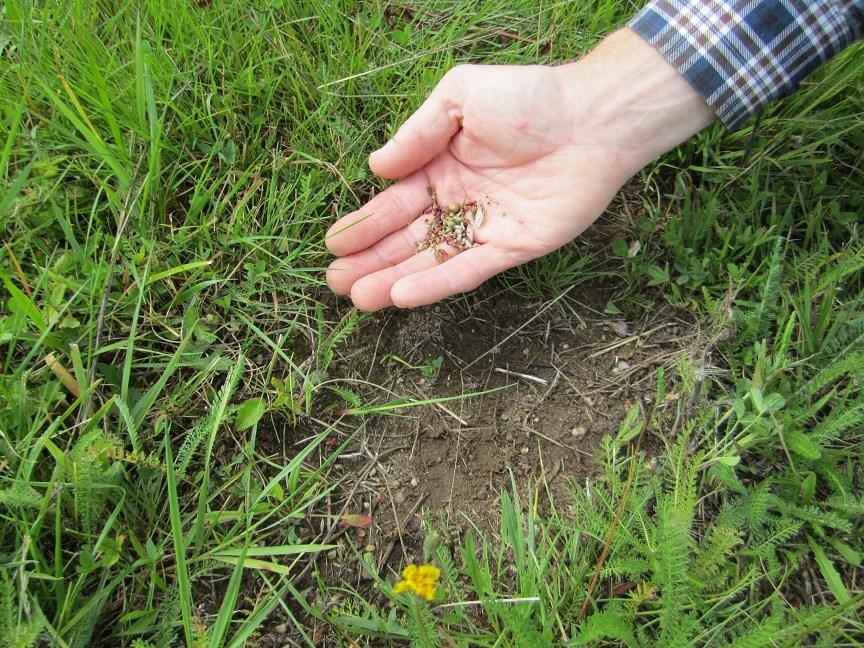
point(549, 146)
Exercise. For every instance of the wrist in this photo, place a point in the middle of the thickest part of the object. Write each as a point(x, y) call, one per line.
point(632, 101)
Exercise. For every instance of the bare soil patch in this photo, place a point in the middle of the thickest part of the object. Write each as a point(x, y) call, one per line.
point(558, 376)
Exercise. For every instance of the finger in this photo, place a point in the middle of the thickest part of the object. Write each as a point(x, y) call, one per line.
point(385, 213)
point(372, 292)
point(389, 251)
point(423, 135)
point(465, 271)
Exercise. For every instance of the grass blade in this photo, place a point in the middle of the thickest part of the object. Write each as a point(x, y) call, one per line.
point(229, 601)
point(183, 589)
point(13, 125)
point(170, 272)
point(829, 573)
point(142, 407)
point(215, 423)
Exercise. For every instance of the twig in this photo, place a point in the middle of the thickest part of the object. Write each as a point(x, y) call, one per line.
point(84, 412)
point(553, 441)
point(24, 283)
point(63, 374)
point(542, 381)
point(520, 599)
point(454, 415)
point(611, 533)
point(453, 475)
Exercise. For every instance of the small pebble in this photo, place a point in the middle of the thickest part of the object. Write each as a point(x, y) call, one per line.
point(504, 416)
point(282, 628)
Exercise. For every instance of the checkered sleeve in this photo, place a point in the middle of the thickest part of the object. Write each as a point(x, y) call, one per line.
point(742, 54)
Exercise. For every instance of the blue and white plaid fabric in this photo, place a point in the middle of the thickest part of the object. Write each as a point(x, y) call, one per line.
point(742, 54)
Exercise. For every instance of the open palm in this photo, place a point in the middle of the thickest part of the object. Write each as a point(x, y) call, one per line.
point(519, 139)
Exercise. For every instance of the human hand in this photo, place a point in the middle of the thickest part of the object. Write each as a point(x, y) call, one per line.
point(549, 147)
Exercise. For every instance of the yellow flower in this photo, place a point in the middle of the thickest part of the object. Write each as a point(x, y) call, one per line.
point(422, 580)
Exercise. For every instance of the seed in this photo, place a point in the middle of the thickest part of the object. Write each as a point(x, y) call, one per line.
point(478, 216)
point(454, 208)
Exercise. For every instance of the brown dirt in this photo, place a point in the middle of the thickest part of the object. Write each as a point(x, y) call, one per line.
point(448, 463)
point(581, 372)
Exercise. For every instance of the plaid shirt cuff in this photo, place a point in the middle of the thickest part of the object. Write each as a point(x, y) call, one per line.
point(742, 54)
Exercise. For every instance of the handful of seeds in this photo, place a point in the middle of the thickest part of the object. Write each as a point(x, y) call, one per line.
point(454, 226)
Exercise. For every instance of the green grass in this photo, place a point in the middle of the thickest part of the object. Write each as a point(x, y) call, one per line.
point(167, 173)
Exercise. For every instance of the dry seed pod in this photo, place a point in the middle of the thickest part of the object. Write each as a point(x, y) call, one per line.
point(454, 224)
point(479, 215)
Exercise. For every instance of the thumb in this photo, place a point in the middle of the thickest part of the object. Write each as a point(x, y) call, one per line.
point(425, 133)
